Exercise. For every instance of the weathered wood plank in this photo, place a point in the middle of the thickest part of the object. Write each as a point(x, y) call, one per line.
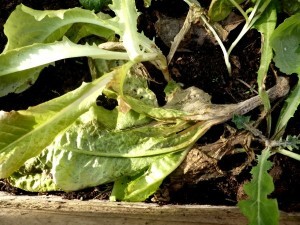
point(19, 210)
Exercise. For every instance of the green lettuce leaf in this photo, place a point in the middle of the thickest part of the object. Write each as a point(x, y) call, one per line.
point(104, 146)
point(35, 37)
point(259, 209)
point(26, 26)
point(43, 54)
point(35, 175)
point(86, 156)
point(93, 151)
point(140, 187)
point(25, 133)
point(19, 81)
point(127, 16)
point(89, 154)
point(21, 67)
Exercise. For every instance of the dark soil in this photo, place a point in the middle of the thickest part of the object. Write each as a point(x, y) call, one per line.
point(203, 66)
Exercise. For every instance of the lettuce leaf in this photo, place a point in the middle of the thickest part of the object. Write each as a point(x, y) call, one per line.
point(104, 146)
point(25, 133)
point(127, 15)
point(86, 155)
point(35, 175)
point(140, 187)
point(89, 153)
point(27, 30)
point(35, 37)
point(20, 67)
point(43, 54)
point(26, 26)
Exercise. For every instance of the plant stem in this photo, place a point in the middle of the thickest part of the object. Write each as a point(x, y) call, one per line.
point(249, 23)
point(225, 53)
point(239, 37)
point(193, 3)
point(288, 153)
point(244, 14)
point(253, 17)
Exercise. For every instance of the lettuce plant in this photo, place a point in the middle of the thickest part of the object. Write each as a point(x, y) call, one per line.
point(70, 143)
point(47, 32)
point(34, 39)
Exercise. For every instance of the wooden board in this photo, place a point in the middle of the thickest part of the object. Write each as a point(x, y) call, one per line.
point(37, 210)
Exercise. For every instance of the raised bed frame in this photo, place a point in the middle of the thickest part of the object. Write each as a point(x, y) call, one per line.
point(37, 210)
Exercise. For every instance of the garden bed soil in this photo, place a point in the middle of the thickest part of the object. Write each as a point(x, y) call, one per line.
point(202, 66)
